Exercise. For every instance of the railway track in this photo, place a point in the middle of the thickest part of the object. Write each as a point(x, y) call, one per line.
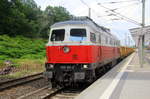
point(47, 93)
point(52, 94)
point(64, 93)
point(15, 82)
point(65, 96)
point(42, 93)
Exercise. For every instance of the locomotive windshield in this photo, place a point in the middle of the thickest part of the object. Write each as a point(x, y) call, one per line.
point(58, 35)
point(77, 34)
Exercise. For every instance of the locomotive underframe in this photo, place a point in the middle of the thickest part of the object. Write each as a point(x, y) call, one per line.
point(69, 74)
point(62, 74)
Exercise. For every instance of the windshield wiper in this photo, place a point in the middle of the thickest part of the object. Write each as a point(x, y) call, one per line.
point(81, 39)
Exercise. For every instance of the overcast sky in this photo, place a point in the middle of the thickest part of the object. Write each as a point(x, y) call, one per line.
point(101, 15)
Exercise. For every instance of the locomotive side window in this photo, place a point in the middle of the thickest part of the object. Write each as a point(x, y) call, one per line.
point(58, 35)
point(78, 35)
point(92, 37)
point(110, 41)
point(106, 39)
point(99, 38)
point(102, 39)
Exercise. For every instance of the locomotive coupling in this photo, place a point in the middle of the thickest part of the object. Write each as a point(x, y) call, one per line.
point(49, 71)
point(79, 76)
point(48, 74)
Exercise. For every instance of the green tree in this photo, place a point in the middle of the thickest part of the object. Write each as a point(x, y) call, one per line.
point(24, 17)
point(52, 15)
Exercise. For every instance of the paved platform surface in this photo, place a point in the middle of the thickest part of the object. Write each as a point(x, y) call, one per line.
point(127, 80)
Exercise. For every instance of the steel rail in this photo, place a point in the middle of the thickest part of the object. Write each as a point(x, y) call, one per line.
point(15, 82)
point(53, 93)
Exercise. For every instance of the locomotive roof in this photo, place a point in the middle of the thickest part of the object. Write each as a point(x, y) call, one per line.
point(83, 21)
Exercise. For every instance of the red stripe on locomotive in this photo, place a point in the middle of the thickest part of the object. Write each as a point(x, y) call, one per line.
point(81, 54)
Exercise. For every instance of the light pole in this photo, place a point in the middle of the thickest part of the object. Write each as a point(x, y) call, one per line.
point(89, 9)
point(141, 37)
point(126, 39)
point(89, 12)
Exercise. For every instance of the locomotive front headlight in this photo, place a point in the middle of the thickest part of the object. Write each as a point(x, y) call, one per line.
point(66, 49)
point(51, 66)
point(85, 66)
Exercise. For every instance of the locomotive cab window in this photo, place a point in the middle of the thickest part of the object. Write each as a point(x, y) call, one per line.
point(58, 35)
point(78, 34)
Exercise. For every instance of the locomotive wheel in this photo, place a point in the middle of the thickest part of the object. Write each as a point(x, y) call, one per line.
point(92, 76)
point(100, 71)
point(53, 84)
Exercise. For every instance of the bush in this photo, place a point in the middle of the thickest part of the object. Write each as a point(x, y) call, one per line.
point(21, 47)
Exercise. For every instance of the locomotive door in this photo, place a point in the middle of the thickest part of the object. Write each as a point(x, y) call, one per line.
point(99, 53)
point(99, 48)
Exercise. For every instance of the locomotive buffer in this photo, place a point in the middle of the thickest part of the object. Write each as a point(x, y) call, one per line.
point(125, 81)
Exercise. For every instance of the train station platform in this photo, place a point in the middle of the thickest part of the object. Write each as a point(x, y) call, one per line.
point(127, 80)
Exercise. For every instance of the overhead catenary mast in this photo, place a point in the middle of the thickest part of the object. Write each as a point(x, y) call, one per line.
point(141, 37)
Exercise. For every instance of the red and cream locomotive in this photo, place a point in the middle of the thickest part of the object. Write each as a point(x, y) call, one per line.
point(77, 51)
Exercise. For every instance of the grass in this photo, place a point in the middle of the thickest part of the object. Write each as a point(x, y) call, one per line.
point(26, 54)
point(25, 67)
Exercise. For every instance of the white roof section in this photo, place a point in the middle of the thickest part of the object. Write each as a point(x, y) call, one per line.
point(86, 21)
